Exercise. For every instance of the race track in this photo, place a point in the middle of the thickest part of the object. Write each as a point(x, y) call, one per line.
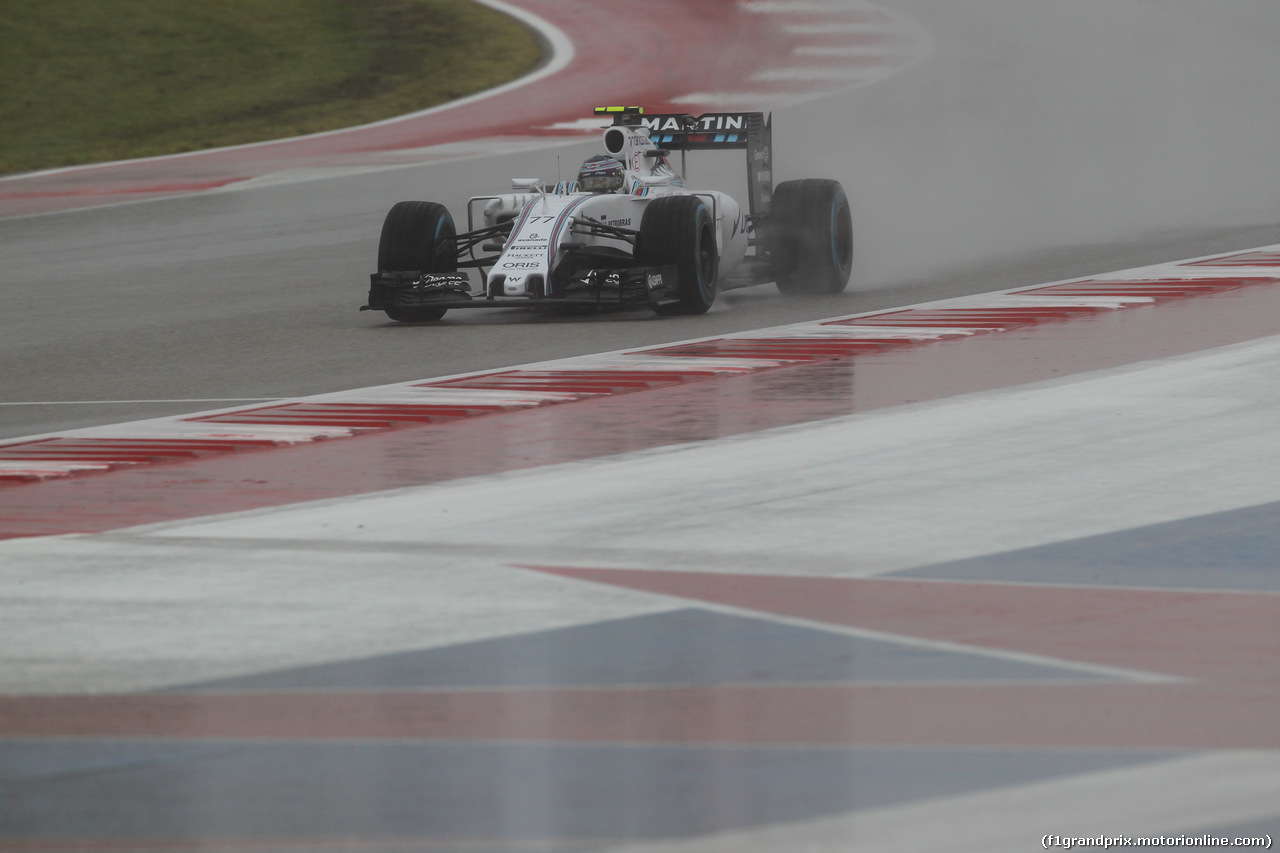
point(1030, 145)
point(1009, 578)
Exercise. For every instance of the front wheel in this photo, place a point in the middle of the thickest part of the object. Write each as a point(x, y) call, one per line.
point(417, 236)
point(810, 237)
point(679, 230)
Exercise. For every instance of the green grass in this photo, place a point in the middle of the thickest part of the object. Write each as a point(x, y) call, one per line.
point(85, 81)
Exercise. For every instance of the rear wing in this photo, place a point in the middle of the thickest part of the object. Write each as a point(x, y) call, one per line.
point(752, 132)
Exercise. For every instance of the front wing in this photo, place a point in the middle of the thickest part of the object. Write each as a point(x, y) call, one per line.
point(603, 288)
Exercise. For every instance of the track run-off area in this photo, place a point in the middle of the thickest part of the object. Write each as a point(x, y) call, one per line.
point(980, 552)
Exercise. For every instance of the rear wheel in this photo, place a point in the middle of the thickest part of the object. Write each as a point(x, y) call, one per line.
point(810, 237)
point(417, 236)
point(679, 230)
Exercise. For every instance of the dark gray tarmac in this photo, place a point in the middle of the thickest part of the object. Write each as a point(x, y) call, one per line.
point(1038, 142)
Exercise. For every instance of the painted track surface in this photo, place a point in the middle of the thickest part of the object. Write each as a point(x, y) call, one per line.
point(964, 622)
point(1010, 605)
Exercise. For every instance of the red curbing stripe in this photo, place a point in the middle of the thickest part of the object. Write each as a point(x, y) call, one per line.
point(1159, 289)
point(357, 415)
point(1075, 715)
point(779, 349)
point(1261, 258)
point(125, 189)
point(585, 382)
point(976, 318)
point(36, 460)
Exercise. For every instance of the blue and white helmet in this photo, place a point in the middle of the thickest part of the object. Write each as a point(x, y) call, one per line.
point(600, 174)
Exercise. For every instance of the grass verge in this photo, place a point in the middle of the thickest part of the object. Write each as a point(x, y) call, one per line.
point(85, 81)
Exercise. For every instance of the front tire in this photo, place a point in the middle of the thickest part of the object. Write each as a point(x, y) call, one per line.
point(402, 314)
point(679, 230)
point(417, 236)
point(810, 237)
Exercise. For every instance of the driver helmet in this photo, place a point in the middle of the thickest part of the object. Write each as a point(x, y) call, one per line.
point(600, 174)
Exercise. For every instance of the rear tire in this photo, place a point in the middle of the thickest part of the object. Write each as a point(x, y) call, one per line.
point(810, 237)
point(679, 230)
point(417, 236)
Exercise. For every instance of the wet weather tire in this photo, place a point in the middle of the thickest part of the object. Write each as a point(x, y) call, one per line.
point(403, 314)
point(679, 230)
point(810, 237)
point(417, 236)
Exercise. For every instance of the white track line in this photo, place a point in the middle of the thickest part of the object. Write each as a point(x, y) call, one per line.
point(123, 402)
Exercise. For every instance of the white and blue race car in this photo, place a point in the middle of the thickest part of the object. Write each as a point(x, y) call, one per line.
point(627, 232)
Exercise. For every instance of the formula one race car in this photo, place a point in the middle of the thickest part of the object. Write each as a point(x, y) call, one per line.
point(628, 231)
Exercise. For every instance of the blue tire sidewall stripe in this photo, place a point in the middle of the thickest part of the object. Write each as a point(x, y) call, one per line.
point(703, 213)
point(835, 209)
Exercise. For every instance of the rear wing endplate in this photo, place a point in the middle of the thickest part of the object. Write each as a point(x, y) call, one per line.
point(752, 132)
